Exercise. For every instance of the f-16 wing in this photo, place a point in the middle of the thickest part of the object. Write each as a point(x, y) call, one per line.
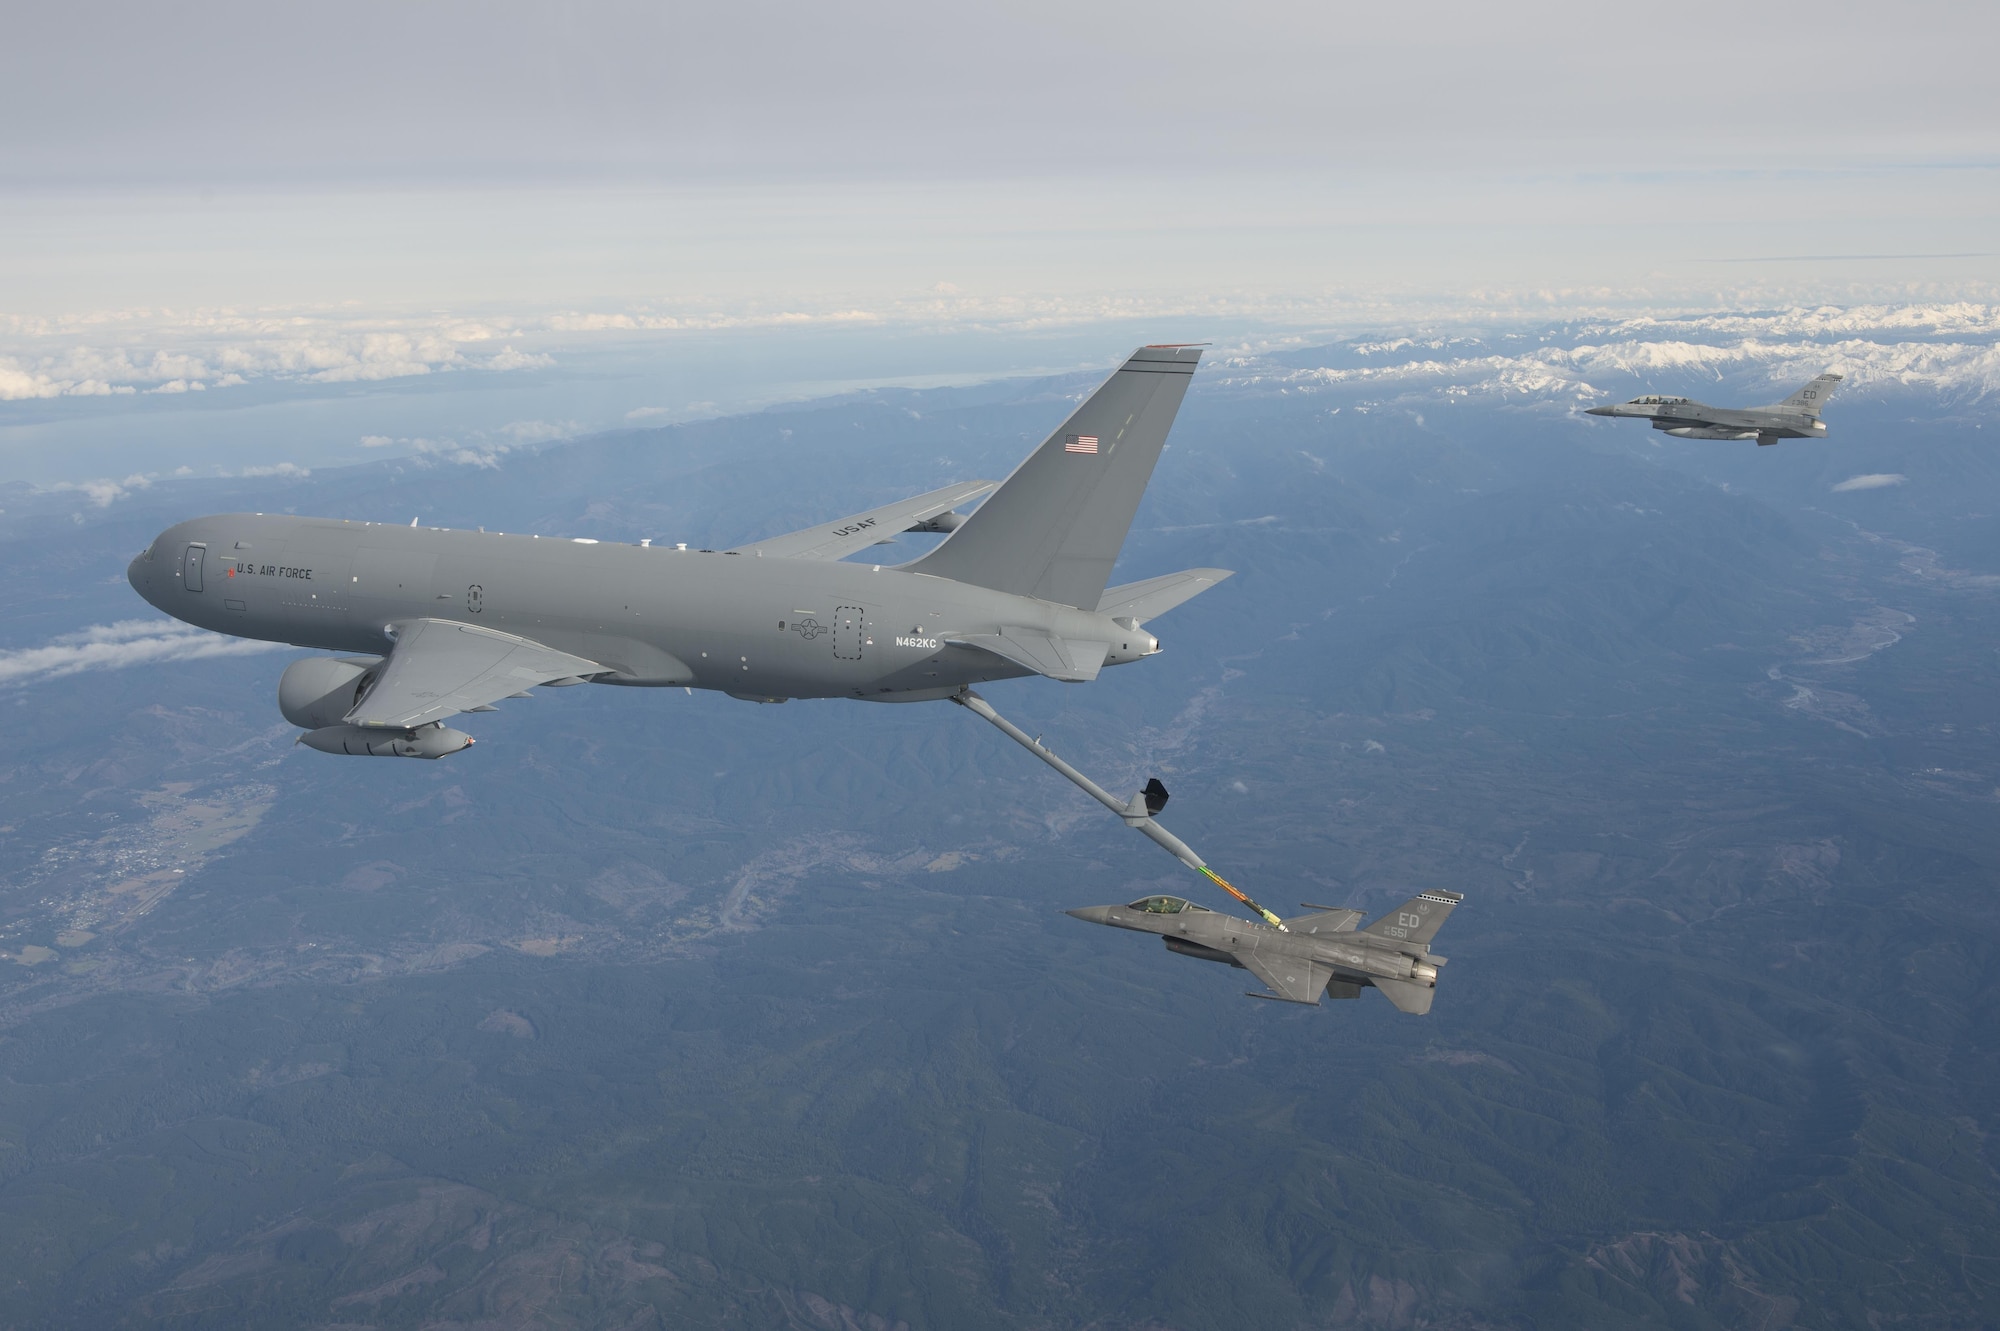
point(1292, 979)
point(439, 668)
point(838, 539)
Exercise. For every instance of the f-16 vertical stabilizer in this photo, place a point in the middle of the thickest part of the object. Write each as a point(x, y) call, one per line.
point(1416, 920)
point(1054, 528)
point(1813, 396)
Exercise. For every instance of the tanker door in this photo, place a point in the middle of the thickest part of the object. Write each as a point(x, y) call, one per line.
point(191, 566)
point(848, 625)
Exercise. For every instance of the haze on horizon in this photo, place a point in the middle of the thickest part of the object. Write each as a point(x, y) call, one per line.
point(860, 149)
point(198, 196)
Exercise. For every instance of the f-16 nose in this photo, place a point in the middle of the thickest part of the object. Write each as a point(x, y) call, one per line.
point(1598, 411)
point(1094, 914)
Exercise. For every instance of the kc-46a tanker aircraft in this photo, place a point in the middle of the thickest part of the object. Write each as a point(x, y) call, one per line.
point(1797, 417)
point(430, 623)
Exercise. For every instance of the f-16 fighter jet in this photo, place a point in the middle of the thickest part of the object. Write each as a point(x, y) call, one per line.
point(1321, 953)
point(1797, 417)
point(430, 623)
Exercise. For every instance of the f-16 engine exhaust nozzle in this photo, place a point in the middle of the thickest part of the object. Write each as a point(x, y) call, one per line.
point(432, 741)
point(1422, 973)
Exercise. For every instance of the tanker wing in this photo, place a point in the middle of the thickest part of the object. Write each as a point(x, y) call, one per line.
point(440, 668)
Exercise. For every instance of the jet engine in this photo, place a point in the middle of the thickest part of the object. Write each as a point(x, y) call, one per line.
point(317, 692)
point(431, 741)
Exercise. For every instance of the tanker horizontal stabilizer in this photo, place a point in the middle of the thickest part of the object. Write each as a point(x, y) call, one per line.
point(439, 668)
point(1141, 601)
point(1043, 653)
point(878, 526)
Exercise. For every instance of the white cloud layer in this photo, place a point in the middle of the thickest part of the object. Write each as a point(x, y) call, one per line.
point(1952, 350)
point(1947, 345)
point(1872, 481)
point(104, 490)
point(129, 642)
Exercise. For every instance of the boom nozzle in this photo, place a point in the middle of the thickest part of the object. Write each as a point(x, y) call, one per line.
point(1137, 812)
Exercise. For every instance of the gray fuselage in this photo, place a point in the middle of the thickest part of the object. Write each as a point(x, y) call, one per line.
point(1683, 415)
point(1196, 931)
point(755, 627)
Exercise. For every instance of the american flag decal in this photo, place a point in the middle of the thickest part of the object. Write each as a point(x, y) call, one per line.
point(1080, 443)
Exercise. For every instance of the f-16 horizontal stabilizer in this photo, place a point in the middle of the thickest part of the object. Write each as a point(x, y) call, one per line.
point(1412, 998)
point(1416, 920)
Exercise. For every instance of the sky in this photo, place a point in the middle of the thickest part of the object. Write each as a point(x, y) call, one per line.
point(505, 88)
point(770, 198)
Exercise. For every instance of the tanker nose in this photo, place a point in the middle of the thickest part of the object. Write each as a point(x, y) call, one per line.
point(135, 573)
point(1094, 914)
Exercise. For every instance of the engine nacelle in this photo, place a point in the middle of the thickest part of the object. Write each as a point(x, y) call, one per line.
point(431, 741)
point(318, 691)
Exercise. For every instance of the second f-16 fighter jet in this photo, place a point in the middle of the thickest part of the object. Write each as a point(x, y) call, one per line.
point(1311, 955)
point(429, 623)
point(1797, 417)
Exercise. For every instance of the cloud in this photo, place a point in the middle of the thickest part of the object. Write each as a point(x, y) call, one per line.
point(1872, 481)
point(103, 491)
point(510, 359)
point(1951, 349)
point(129, 642)
point(540, 432)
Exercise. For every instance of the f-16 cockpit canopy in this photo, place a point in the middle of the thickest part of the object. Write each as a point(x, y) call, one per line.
point(1164, 905)
point(1655, 400)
